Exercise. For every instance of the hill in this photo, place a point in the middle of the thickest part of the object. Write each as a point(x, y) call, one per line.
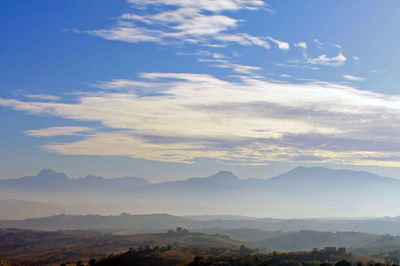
point(38, 247)
point(155, 223)
point(243, 256)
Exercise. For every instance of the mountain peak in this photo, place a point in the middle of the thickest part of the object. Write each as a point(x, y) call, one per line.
point(48, 173)
point(224, 175)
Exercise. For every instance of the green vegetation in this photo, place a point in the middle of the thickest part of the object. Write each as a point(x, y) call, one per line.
point(180, 246)
point(361, 243)
point(205, 257)
point(38, 247)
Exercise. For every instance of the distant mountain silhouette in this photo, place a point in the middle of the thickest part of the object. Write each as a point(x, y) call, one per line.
point(300, 192)
point(301, 175)
point(48, 179)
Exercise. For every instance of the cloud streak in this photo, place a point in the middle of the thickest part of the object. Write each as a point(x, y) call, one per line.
point(57, 131)
point(353, 78)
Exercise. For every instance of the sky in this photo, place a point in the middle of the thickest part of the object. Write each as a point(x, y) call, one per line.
point(178, 88)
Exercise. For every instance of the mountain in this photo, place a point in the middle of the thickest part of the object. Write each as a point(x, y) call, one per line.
point(48, 179)
point(300, 192)
point(324, 177)
point(299, 177)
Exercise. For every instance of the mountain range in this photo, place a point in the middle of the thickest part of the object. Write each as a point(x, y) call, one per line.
point(300, 192)
point(315, 177)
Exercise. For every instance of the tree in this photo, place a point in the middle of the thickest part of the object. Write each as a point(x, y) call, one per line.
point(244, 250)
point(343, 263)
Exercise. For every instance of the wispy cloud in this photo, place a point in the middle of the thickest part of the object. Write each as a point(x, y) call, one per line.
point(191, 116)
point(353, 78)
point(186, 21)
point(318, 43)
point(42, 97)
point(324, 60)
point(57, 131)
point(281, 44)
point(301, 45)
point(209, 5)
point(237, 68)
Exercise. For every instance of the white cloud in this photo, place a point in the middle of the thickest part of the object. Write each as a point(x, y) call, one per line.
point(337, 46)
point(318, 43)
point(356, 58)
point(324, 60)
point(189, 21)
point(209, 5)
point(281, 45)
point(249, 121)
point(42, 97)
point(301, 45)
point(244, 39)
point(57, 131)
point(220, 62)
point(353, 78)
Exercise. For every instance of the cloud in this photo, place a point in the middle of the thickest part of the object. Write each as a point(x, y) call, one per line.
point(353, 78)
point(244, 39)
point(318, 43)
point(209, 5)
point(301, 45)
point(249, 121)
point(281, 45)
point(57, 131)
point(42, 97)
point(237, 68)
point(186, 21)
point(324, 60)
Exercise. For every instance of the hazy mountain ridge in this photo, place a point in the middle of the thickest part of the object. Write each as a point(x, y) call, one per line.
point(296, 176)
point(49, 179)
point(301, 192)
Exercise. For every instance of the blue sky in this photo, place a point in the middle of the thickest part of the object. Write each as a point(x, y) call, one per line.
point(177, 88)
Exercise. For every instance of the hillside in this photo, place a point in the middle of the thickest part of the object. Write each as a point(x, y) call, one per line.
point(207, 257)
point(28, 247)
point(153, 223)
